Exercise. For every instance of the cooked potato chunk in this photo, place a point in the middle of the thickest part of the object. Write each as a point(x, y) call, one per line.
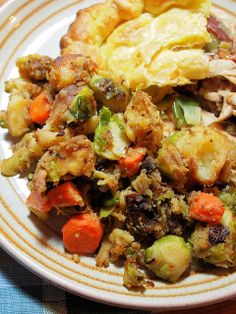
point(22, 87)
point(24, 153)
point(144, 125)
point(31, 147)
point(73, 156)
point(70, 69)
point(203, 150)
point(17, 116)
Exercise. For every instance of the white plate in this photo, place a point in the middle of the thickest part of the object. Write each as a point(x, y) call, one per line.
point(36, 26)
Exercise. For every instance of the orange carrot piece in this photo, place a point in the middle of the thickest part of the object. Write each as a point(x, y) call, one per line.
point(82, 233)
point(206, 207)
point(131, 163)
point(38, 201)
point(40, 109)
point(65, 195)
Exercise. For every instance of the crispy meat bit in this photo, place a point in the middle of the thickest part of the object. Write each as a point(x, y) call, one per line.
point(60, 115)
point(33, 67)
point(218, 234)
point(215, 27)
point(145, 217)
point(149, 164)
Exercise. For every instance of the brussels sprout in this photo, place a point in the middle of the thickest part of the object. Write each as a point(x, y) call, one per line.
point(228, 197)
point(83, 106)
point(109, 93)
point(168, 257)
point(215, 244)
point(108, 207)
point(110, 140)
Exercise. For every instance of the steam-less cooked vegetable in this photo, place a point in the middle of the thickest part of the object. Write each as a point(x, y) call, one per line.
point(40, 109)
point(133, 277)
point(228, 197)
point(171, 163)
point(195, 152)
point(206, 207)
point(108, 207)
point(130, 164)
point(220, 252)
point(109, 93)
point(82, 233)
point(25, 152)
point(168, 257)
point(83, 106)
point(65, 195)
point(17, 117)
point(110, 140)
point(30, 147)
point(73, 156)
point(39, 202)
point(22, 87)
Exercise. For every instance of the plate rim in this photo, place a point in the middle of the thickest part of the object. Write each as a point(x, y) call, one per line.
point(64, 284)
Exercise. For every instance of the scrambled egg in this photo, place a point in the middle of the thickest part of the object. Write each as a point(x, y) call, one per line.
point(145, 43)
point(158, 6)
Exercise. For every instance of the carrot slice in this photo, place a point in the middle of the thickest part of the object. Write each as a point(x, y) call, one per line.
point(82, 233)
point(40, 109)
point(65, 195)
point(206, 207)
point(38, 201)
point(131, 163)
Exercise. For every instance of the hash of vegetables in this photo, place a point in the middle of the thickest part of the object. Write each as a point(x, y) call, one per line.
point(143, 176)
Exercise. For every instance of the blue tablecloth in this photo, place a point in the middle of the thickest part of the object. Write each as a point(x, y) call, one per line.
point(21, 292)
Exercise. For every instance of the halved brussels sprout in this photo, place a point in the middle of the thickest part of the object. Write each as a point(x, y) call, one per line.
point(83, 106)
point(110, 140)
point(109, 93)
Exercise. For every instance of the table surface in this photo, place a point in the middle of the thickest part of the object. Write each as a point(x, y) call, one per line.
point(21, 292)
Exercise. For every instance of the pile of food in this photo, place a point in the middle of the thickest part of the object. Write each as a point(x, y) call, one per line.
point(131, 136)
